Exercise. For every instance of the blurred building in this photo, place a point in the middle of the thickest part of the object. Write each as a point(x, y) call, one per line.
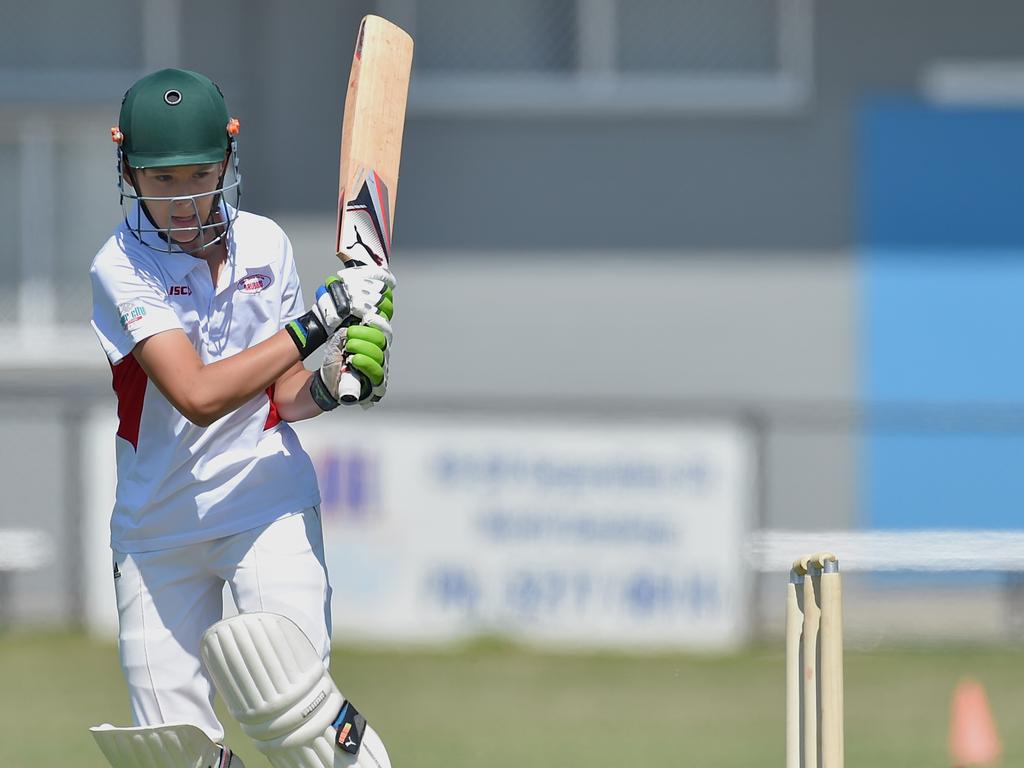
point(798, 216)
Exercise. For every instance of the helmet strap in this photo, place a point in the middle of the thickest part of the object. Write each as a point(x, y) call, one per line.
point(230, 155)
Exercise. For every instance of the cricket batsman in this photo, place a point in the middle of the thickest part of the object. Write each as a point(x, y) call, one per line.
point(198, 308)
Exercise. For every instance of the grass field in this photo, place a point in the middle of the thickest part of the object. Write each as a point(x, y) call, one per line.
point(497, 706)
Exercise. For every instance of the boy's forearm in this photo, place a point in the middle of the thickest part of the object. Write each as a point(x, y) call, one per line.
point(205, 393)
point(292, 398)
point(233, 381)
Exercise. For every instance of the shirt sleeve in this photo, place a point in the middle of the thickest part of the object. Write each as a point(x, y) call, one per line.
point(292, 304)
point(128, 305)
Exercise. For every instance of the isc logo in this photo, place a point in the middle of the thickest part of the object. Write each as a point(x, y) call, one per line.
point(180, 290)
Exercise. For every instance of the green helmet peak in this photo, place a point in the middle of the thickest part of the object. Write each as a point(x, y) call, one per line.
point(174, 117)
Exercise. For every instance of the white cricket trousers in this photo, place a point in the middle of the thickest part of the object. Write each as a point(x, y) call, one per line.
point(168, 598)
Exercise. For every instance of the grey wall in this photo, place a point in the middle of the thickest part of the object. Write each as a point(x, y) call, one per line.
point(525, 183)
point(654, 183)
point(719, 326)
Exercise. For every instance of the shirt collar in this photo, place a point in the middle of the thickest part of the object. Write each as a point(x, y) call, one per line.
point(176, 261)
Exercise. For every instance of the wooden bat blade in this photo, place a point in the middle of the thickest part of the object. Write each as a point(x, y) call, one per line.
point(371, 140)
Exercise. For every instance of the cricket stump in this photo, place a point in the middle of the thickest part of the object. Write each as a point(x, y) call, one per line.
point(814, 663)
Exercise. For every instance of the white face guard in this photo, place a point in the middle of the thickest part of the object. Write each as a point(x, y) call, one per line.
point(216, 226)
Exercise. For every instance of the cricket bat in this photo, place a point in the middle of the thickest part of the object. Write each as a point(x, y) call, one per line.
point(371, 150)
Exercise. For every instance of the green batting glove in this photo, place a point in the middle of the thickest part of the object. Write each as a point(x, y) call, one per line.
point(387, 304)
point(362, 349)
point(365, 351)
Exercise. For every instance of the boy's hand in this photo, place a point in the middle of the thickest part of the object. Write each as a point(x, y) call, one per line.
point(346, 297)
point(364, 348)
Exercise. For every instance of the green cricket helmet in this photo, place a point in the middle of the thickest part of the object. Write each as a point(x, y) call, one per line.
point(176, 117)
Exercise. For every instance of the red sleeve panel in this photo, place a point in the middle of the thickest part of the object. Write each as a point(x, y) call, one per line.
point(130, 387)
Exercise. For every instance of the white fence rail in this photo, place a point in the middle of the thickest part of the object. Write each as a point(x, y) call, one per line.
point(911, 550)
point(23, 549)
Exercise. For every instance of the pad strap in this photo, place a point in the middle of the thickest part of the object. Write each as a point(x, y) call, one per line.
point(350, 725)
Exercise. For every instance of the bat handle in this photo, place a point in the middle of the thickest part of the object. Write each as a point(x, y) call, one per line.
point(350, 385)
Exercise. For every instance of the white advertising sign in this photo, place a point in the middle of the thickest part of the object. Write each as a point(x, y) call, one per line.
point(561, 533)
point(618, 536)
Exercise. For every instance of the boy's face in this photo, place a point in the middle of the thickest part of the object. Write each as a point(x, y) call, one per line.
point(191, 182)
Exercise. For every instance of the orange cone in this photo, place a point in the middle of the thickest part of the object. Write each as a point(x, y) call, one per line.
point(973, 740)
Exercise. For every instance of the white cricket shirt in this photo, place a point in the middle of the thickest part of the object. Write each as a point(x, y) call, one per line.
point(178, 483)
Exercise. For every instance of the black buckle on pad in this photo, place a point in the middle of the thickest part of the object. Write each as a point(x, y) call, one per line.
point(350, 728)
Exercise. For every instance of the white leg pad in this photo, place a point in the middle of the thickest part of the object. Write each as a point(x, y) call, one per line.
point(275, 684)
point(162, 746)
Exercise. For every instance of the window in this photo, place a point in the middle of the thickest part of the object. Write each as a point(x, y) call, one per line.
point(607, 56)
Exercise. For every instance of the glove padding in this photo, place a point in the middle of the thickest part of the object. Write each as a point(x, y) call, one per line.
point(346, 297)
point(364, 348)
point(367, 290)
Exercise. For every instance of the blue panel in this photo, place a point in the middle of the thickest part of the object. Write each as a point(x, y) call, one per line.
point(944, 327)
point(940, 176)
point(943, 330)
point(942, 232)
point(936, 480)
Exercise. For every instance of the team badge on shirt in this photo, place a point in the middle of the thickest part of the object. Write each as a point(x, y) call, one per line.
point(131, 313)
point(255, 280)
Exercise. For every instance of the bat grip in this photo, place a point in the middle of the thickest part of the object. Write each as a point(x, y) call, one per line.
point(350, 386)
